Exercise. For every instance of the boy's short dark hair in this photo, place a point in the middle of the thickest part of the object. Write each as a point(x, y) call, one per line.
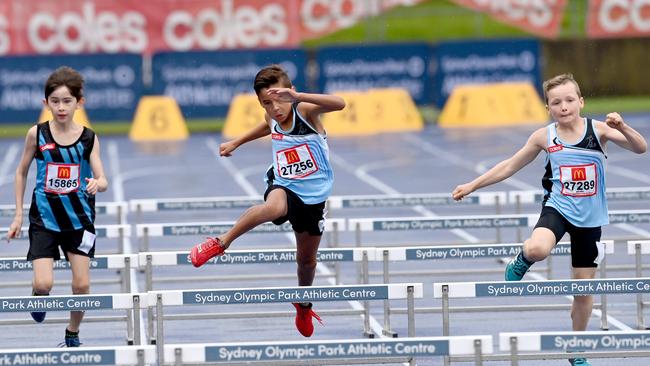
point(65, 76)
point(271, 75)
point(557, 81)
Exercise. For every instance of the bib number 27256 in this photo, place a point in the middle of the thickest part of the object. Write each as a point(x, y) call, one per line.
point(296, 162)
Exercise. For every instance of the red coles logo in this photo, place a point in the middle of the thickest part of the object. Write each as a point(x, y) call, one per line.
point(292, 156)
point(578, 174)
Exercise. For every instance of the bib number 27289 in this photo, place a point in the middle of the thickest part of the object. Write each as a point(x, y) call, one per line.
point(578, 180)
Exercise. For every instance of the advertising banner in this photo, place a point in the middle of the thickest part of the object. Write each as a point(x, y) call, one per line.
point(618, 18)
point(542, 17)
point(481, 62)
point(359, 68)
point(108, 26)
point(204, 83)
point(113, 85)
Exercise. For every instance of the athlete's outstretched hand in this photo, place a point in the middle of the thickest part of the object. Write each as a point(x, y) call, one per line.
point(15, 228)
point(614, 120)
point(226, 148)
point(461, 191)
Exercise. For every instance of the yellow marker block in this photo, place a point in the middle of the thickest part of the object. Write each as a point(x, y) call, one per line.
point(498, 104)
point(394, 110)
point(244, 114)
point(355, 119)
point(158, 118)
point(79, 116)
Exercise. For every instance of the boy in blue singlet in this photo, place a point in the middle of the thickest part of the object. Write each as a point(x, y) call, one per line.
point(299, 181)
point(574, 186)
point(69, 173)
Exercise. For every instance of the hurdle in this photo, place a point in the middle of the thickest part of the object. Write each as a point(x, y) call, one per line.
point(419, 223)
point(159, 299)
point(146, 231)
point(333, 352)
point(560, 345)
point(470, 252)
point(130, 302)
point(446, 291)
point(639, 248)
point(117, 231)
point(243, 257)
point(119, 209)
point(120, 355)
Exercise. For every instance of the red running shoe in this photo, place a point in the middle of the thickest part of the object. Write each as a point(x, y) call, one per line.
point(303, 319)
point(202, 253)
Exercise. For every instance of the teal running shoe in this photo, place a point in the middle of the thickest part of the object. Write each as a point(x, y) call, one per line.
point(516, 268)
point(579, 362)
point(71, 340)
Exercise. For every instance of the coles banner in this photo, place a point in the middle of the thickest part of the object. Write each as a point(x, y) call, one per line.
point(203, 83)
point(113, 85)
point(618, 18)
point(542, 17)
point(136, 26)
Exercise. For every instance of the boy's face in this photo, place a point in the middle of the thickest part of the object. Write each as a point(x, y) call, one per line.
point(62, 104)
point(276, 108)
point(564, 104)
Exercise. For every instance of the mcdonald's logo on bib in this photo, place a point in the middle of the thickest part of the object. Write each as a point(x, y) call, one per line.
point(578, 174)
point(63, 172)
point(292, 156)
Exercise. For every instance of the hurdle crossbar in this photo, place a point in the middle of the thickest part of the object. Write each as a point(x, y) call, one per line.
point(120, 355)
point(349, 351)
point(158, 299)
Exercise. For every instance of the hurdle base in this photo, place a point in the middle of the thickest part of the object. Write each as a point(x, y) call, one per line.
point(389, 333)
point(367, 334)
point(152, 341)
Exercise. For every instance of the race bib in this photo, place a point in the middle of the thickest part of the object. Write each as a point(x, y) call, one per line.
point(578, 180)
point(61, 178)
point(296, 162)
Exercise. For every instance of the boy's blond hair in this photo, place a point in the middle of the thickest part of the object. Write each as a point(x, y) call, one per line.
point(557, 81)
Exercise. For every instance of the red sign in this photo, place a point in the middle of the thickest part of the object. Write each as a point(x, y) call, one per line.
point(541, 17)
point(108, 26)
point(616, 18)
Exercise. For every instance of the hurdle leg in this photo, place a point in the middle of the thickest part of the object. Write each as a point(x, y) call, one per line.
point(604, 324)
point(178, 357)
point(445, 317)
point(514, 358)
point(387, 331)
point(478, 352)
point(410, 299)
point(366, 304)
point(126, 287)
point(160, 342)
point(136, 318)
point(149, 287)
point(140, 357)
point(640, 321)
point(497, 202)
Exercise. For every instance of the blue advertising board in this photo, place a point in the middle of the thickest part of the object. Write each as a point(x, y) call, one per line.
point(113, 85)
point(481, 62)
point(204, 82)
point(377, 66)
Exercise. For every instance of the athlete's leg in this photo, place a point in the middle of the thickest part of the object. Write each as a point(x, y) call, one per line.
point(582, 305)
point(274, 207)
point(307, 247)
point(539, 245)
point(80, 266)
point(43, 276)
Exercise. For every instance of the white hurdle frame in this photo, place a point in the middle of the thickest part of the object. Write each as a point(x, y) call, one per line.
point(120, 355)
point(121, 262)
point(130, 301)
point(638, 248)
point(262, 256)
point(117, 208)
point(214, 228)
point(445, 291)
point(159, 299)
point(610, 344)
point(330, 352)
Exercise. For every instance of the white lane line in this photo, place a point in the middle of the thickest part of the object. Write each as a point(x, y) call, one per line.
point(117, 187)
point(241, 179)
point(10, 157)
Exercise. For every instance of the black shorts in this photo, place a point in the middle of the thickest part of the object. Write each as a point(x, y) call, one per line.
point(583, 239)
point(44, 243)
point(303, 217)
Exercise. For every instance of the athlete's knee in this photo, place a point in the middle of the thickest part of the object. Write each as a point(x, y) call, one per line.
point(308, 263)
point(81, 286)
point(42, 286)
point(536, 251)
